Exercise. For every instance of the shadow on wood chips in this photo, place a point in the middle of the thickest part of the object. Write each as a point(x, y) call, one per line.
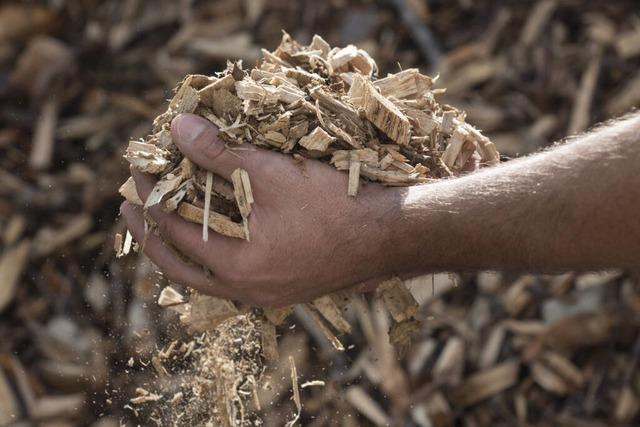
point(81, 330)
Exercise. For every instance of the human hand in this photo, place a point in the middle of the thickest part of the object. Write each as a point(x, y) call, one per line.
point(308, 238)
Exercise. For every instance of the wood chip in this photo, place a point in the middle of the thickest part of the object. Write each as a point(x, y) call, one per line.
point(326, 332)
point(397, 299)
point(217, 222)
point(318, 140)
point(12, 264)
point(242, 191)
point(380, 111)
point(169, 296)
point(359, 399)
point(296, 393)
point(329, 309)
point(44, 136)
point(487, 383)
point(207, 206)
point(354, 178)
point(205, 312)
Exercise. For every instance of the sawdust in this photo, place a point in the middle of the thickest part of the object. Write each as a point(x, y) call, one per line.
point(209, 380)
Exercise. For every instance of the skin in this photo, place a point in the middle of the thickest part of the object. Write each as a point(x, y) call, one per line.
point(573, 207)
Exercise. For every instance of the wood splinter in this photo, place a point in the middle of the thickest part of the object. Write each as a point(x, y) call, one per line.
point(207, 206)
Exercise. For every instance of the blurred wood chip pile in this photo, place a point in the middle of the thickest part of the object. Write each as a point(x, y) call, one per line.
point(78, 328)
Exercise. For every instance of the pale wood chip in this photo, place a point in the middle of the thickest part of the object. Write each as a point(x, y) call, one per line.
point(217, 222)
point(129, 192)
point(405, 84)
point(205, 312)
point(318, 140)
point(169, 296)
point(328, 308)
point(207, 206)
point(487, 383)
point(397, 299)
point(354, 178)
point(242, 191)
point(335, 342)
point(380, 111)
point(12, 264)
point(296, 392)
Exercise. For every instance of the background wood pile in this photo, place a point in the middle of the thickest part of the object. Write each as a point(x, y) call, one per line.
point(77, 79)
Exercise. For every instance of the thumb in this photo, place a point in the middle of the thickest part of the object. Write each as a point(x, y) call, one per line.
point(197, 139)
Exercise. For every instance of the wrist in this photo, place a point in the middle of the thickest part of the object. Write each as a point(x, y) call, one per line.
point(426, 230)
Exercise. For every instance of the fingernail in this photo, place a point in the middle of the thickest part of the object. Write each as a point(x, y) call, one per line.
point(189, 127)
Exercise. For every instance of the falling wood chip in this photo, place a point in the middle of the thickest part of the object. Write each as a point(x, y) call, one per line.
point(117, 245)
point(169, 297)
point(398, 300)
point(296, 393)
point(126, 246)
point(368, 407)
point(205, 312)
point(330, 310)
point(335, 342)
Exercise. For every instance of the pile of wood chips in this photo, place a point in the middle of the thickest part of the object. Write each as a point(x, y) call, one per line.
point(316, 102)
point(80, 328)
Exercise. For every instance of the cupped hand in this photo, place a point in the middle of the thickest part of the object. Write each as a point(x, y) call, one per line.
point(308, 237)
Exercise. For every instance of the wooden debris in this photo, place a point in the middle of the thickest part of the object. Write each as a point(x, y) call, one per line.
point(357, 397)
point(379, 110)
point(48, 239)
point(354, 177)
point(12, 265)
point(9, 405)
point(242, 191)
point(170, 297)
point(486, 383)
point(296, 393)
point(317, 140)
point(129, 192)
point(269, 341)
point(398, 300)
point(44, 136)
point(627, 405)
point(204, 312)
point(217, 222)
point(207, 206)
point(326, 332)
point(448, 368)
point(329, 309)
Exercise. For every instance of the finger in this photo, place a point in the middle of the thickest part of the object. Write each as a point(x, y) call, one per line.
point(185, 235)
point(197, 139)
point(166, 259)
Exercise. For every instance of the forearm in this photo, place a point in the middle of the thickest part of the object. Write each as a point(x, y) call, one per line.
point(573, 207)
